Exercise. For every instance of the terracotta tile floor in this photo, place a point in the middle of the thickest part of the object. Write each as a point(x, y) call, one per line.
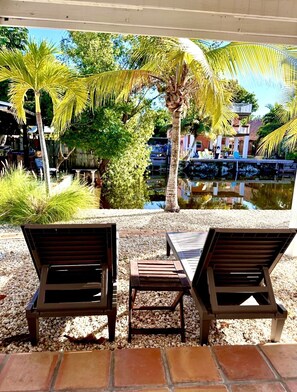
point(268, 368)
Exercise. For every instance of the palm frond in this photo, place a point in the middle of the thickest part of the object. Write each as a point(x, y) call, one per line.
point(17, 93)
point(291, 107)
point(261, 59)
point(153, 51)
point(116, 84)
point(285, 135)
point(71, 105)
point(4, 73)
point(13, 62)
point(195, 56)
point(38, 56)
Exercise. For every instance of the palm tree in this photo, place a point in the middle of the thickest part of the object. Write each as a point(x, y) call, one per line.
point(286, 134)
point(38, 70)
point(184, 70)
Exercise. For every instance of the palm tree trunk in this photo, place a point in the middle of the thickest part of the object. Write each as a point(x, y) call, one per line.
point(26, 147)
point(45, 161)
point(171, 202)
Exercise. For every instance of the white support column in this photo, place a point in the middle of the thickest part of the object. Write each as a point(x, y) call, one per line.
point(227, 141)
point(235, 143)
point(245, 146)
point(292, 249)
point(219, 141)
point(93, 171)
point(77, 171)
point(241, 188)
point(211, 145)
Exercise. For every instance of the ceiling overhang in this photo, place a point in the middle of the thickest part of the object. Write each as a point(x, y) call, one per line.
point(271, 21)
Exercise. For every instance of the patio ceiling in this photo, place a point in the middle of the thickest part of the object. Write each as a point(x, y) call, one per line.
point(272, 21)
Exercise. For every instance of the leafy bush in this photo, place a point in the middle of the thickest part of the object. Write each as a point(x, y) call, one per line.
point(124, 183)
point(291, 155)
point(23, 199)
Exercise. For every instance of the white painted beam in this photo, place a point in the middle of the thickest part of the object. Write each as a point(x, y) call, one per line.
point(280, 9)
point(272, 21)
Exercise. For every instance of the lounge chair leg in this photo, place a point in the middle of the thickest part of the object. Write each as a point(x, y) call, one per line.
point(111, 325)
point(33, 325)
point(182, 320)
point(204, 331)
point(277, 326)
point(132, 295)
point(167, 249)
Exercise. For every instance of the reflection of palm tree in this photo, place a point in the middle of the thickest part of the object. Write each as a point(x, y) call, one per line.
point(272, 196)
point(208, 203)
point(194, 203)
point(238, 206)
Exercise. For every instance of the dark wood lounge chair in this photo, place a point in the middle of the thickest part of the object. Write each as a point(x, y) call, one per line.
point(77, 269)
point(232, 275)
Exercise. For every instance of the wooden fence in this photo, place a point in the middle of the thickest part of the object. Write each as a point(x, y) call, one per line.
point(78, 159)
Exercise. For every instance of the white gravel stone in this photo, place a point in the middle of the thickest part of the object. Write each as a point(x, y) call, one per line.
point(142, 235)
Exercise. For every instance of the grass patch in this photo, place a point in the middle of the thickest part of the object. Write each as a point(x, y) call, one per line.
point(23, 199)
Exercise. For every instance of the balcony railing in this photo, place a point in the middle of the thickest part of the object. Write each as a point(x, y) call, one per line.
point(242, 130)
point(242, 108)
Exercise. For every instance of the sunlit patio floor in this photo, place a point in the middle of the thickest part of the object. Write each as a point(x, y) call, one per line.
point(271, 368)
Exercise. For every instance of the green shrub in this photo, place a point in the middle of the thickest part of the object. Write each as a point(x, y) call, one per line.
point(23, 199)
point(292, 155)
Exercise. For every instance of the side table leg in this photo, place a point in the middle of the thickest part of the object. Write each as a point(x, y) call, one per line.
point(167, 249)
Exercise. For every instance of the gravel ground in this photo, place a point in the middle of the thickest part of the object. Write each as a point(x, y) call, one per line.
point(142, 235)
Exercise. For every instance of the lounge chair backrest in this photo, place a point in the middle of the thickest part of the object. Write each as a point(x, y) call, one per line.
point(239, 256)
point(77, 268)
point(71, 244)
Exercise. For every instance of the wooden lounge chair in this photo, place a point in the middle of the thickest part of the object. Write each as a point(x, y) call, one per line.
point(232, 277)
point(77, 269)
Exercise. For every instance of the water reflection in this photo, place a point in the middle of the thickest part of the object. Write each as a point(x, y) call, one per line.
point(274, 193)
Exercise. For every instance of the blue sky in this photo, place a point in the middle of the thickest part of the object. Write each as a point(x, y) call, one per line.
point(266, 93)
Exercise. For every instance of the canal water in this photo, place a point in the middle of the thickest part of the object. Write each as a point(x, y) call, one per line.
point(266, 194)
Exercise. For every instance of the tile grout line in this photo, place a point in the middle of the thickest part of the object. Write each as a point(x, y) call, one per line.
point(225, 379)
point(4, 362)
point(56, 371)
point(228, 383)
point(268, 362)
point(166, 369)
point(277, 375)
point(111, 369)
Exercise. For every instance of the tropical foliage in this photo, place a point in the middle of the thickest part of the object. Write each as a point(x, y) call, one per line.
point(11, 38)
point(102, 132)
point(114, 132)
point(271, 121)
point(23, 199)
point(281, 122)
point(183, 70)
point(93, 52)
point(124, 182)
point(37, 69)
